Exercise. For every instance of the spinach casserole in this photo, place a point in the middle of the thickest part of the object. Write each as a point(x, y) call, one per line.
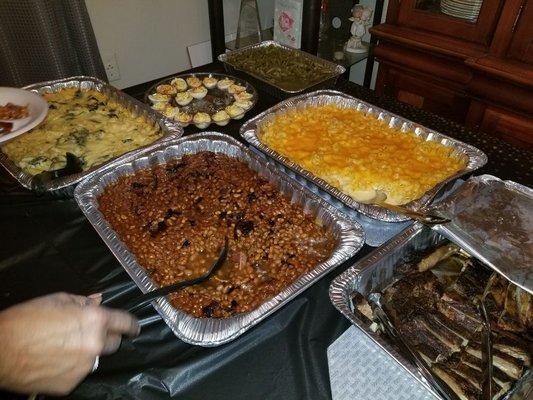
point(85, 123)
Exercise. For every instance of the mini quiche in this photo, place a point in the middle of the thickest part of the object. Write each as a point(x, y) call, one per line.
point(85, 123)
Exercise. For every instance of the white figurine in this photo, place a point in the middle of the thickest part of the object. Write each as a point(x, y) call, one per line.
point(361, 16)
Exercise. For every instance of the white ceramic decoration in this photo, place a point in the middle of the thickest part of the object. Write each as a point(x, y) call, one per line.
point(361, 20)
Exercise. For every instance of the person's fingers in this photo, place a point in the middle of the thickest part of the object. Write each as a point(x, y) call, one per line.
point(62, 298)
point(112, 343)
point(95, 299)
point(121, 322)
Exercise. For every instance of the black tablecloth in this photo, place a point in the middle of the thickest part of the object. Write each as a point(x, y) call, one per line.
point(47, 246)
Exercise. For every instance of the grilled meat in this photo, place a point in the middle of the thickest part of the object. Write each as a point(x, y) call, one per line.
point(432, 307)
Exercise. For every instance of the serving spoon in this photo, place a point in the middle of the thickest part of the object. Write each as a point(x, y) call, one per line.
point(73, 166)
point(423, 217)
point(145, 298)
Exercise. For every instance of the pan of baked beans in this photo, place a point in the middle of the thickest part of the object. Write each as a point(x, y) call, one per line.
point(165, 211)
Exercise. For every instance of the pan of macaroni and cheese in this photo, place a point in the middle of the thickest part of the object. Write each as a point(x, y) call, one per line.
point(358, 153)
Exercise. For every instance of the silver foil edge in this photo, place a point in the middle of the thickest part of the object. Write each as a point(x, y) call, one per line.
point(249, 131)
point(209, 331)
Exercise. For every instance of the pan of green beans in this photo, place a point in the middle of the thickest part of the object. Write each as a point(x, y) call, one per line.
point(286, 69)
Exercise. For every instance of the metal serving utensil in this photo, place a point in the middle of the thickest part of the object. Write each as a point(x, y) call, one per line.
point(486, 353)
point(423, 217)
point(145, 298)
point(374, 300)
point(73, 166)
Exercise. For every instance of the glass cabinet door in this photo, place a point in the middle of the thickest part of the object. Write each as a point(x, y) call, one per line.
point(463, 9)
point(467, 20)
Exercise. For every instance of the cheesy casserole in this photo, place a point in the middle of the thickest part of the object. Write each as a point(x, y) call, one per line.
point(85, 123)
point(358, 154)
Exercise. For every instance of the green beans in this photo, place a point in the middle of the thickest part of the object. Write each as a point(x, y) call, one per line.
point(287, 69)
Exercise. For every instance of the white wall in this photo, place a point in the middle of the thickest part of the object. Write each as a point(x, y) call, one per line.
point(150, 37)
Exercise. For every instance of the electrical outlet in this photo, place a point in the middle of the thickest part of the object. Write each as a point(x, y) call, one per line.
point(111, 67)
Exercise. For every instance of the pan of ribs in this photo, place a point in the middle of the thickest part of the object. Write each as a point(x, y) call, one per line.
point(429, 290)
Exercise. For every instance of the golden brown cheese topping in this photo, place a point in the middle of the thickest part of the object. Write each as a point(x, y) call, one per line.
point(85, 123)
point(360, 155)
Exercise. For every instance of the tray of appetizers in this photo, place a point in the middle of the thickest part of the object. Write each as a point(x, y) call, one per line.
point(202, 99)
point(89, 124)
point(190, 193)
point(358, 153)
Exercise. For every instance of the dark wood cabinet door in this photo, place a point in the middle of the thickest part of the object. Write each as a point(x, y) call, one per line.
point(521, 47)
point(411, 15)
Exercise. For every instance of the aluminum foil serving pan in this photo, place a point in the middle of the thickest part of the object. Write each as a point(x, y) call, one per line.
point(270, 86)
point(211, 331)
point(493, 220)
point(64, 186)
point(250, 131)
point(376, 272)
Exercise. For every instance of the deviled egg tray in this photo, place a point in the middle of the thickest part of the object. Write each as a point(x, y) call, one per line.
point(202, 99)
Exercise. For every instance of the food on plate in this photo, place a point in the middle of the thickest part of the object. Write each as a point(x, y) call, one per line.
point(171, 112)
point(433, 306)
point(174, 218)
point(194, 82)
point(210, 82)
point(13, 111)
point(201, 120)
point(5, 127)
point(184, 118)
point(160, 106)
point(179, 84)
point(235, 111)
point(359, 154)
point(225, 83)
point(244, 104)
point(159, 98)
point(85, 123)
point(221, 118)
point(183, 98)
point(166, 90)
point(236, 89)
point(242, 96)
point(198, 92)
point(201, 95)
point(288, 69)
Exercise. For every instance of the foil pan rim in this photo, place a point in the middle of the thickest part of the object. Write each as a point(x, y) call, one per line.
point(168, 127)
point(210, 332)
point(336, 69)
point(249, 132)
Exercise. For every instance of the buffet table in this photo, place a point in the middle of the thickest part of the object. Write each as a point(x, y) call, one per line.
point(49, 246)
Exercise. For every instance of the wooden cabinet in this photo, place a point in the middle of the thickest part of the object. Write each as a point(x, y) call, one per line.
point(476, 69)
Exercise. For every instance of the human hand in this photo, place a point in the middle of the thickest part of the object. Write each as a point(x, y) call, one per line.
point(49, 344)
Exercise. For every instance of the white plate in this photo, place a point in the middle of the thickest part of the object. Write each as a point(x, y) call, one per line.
point(37, 108)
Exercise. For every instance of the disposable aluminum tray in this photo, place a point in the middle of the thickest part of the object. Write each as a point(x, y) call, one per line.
point(210, 331)
point(378, 270)
point(493, 220)
point(272, 88)
point(64, 186)
point(250, 132)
